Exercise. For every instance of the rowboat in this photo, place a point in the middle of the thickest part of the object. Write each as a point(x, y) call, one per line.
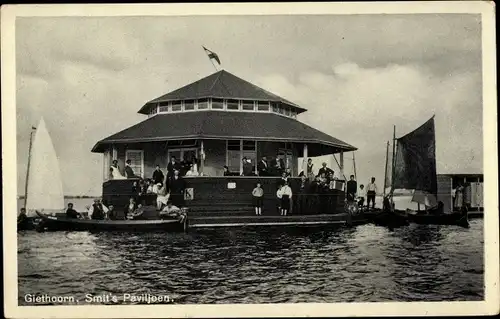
point(51, 223)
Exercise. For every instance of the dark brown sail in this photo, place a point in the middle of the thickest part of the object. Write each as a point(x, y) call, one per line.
point(415, 163)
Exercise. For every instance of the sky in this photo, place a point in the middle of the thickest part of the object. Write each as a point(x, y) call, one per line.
point(357, 75)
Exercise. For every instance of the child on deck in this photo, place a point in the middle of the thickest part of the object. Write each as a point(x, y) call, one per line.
point(257, 194)
point(286, 197)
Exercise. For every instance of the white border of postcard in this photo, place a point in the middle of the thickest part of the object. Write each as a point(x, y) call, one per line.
point(491, 233)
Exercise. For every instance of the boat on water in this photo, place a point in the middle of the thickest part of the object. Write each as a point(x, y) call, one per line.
point(52, 223)
point(414, 168)
point(44, 202)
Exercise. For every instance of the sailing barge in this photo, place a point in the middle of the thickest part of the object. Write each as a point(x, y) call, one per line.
point(414, 168)
point(215, 122)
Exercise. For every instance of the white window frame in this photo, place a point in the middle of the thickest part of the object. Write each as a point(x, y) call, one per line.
point(181, 151)
point(241, 154)
point(142, 159)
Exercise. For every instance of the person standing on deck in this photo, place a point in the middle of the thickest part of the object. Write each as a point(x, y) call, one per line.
point(301, 202)
point(177, 190)
point(171, 167)
point(371, 193)
point(286, 197)
point(351, 189)
point(326, 170)
point(247, 167)
point(158, 176)
point(22, 216)
point(70, 212)
point(459, 196)
point(257, 194)
point(262, 167)
point(309, 173)
point(361, 195)
point(115, 171)
point(129, 172)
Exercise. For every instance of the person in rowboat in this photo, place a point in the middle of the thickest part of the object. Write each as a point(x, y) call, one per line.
point(71, 213)
point(22, 216)
point(97, 211)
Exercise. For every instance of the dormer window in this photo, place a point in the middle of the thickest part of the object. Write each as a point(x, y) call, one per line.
point(217, 104)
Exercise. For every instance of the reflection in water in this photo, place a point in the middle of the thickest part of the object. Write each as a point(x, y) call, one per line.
point(365, 263)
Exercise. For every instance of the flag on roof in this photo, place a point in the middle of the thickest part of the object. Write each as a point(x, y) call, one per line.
point(212, 55)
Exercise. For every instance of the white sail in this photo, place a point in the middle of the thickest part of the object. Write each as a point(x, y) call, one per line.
point(45, 190)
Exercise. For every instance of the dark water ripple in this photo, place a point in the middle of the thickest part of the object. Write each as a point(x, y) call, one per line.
point(366, 263)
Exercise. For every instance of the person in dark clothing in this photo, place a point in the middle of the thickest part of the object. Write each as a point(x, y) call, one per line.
point(130, 208)
point(301, 202)
point(314, 197)
point(70, 212)
point(158, 176)
point(226, 171)
point(171, 167)
point(129, 172)
point(177, 187)
point(326, 170)
point(22, 218)
point(97, 210)
point(351, 189)
point(247, 167)
point(262, 167)
point(185, 166)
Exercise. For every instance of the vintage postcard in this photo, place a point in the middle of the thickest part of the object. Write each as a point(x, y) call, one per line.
point(250, 160)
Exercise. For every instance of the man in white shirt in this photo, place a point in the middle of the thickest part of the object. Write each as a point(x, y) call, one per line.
point(371, 192)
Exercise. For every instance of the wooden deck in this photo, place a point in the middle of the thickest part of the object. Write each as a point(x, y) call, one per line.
point(297, 221)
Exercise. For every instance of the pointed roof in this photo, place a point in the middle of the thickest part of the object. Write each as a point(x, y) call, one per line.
point(221, 84)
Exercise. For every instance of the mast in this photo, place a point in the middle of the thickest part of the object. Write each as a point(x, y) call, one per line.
point(354, 164)
point(386, 164)
point(393, 163)
point(28, 167)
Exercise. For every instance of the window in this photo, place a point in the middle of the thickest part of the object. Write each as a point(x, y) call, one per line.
point(232, 104)
point(247, 105)
point(294, 114)
point(217, 104)
point(189, 105)
point(281, 110)
point(274, 106)
point(262, 106)
point(176, 106)
point(137, 161)
point(233, 155)
point(236, 150)
point(202, 104)
point(163, 107)
point(287, 111)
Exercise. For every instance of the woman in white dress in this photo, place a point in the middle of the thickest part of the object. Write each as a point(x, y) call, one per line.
point(115, 171)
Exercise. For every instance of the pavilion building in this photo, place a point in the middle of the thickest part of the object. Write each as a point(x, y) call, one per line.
point(217, 120)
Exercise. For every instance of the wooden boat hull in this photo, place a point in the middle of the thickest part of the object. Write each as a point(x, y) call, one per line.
point(390, 218)
point(458, 219)
point(50, 223)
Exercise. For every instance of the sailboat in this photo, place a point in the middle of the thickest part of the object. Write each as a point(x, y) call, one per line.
point(44, 190)
point(414, 168)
